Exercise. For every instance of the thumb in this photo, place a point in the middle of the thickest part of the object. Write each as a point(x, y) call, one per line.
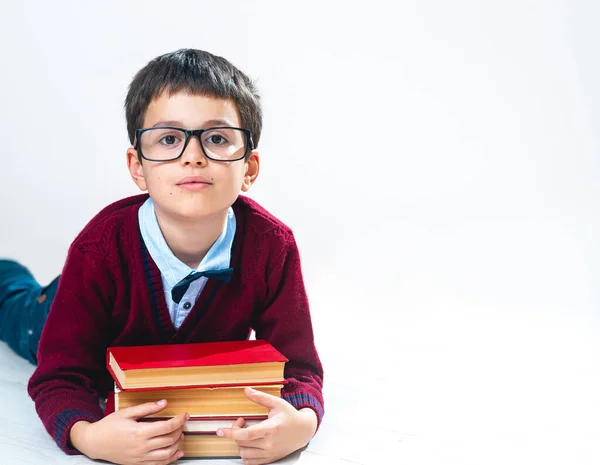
point(143, 410)
point(237, 425)
point(262, 398)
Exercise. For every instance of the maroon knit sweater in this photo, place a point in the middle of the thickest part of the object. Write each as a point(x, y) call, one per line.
point(110, 294)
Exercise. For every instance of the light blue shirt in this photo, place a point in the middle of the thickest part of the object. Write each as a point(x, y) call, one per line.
point(173, 270)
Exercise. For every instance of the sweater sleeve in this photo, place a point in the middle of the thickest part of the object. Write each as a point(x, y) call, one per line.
point(285, 322)
point(71, 354)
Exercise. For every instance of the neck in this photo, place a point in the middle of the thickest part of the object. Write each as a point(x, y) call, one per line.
point(190, 240)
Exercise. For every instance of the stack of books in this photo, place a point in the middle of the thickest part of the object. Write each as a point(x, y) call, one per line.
point(206, 380)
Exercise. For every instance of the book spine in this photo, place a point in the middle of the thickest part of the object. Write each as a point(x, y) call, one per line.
point(112, 374)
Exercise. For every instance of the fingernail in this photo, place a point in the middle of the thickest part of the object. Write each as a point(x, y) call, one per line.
point(219, 433)
point(180, 454)
point(187, 416)
point(161, 403)
point(252, 390)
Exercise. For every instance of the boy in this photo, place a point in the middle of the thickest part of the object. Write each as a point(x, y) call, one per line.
point(192, 261)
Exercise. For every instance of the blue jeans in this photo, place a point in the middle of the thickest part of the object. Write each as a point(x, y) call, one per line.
point(24, 307)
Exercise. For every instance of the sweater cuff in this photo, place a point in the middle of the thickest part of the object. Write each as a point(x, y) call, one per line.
point(301, 400)
point(63, 424)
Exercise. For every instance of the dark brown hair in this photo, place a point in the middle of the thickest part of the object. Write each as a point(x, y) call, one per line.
point(197, 72)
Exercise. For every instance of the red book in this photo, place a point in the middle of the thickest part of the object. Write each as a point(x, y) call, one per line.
point(195, 365)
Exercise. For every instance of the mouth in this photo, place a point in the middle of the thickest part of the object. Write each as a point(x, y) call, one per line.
point(194, 183)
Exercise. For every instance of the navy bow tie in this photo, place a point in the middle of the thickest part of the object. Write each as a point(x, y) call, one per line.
point(182, 286)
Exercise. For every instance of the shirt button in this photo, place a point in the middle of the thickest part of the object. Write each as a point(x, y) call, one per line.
point(187, 305)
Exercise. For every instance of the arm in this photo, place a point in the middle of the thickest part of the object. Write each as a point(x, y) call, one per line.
point(285, 322)
point(71, 354)
point(72, 370)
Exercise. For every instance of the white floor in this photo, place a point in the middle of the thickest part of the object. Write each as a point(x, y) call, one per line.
point(23, 439)
point(411, 396)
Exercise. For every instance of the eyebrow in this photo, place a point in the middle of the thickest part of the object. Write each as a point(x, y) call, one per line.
point(206, 124)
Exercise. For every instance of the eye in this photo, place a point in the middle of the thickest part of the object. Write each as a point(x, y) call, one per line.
point(169, 139)
point(216, 139)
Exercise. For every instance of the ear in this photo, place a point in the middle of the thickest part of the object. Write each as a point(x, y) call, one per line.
point(252, 167)
point(135, 168)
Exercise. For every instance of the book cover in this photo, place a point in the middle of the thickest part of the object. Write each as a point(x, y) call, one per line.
point(194, 354)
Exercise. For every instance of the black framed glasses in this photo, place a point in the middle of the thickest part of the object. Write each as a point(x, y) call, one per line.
point(165, 143)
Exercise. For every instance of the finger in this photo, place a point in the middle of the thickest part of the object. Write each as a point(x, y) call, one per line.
point(264, 399)
point(255, 443)
point(247, 453)
point(239, 423)
point(143, 410)
point(165, 454)
point(246, 434)
point(163, 427)
point(176, 456)
point(260, 461)
point(166, 440)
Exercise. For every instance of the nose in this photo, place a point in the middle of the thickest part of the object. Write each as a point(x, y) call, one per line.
point(193, 153)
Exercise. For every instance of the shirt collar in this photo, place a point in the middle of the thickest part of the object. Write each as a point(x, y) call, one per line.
point(172, 269)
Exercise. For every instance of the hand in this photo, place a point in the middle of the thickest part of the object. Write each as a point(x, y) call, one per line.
point(285, 431)
point(119, 438)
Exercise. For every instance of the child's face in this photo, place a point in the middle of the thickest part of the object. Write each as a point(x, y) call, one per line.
point(221, 181)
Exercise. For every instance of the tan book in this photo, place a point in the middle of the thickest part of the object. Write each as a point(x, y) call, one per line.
point(209, 446)
point(199, 402)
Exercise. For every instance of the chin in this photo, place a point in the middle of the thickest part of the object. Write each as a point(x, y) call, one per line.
point(198, 210)
point(195, 206)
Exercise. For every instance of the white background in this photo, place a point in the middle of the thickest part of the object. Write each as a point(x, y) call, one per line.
point(438, 162)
